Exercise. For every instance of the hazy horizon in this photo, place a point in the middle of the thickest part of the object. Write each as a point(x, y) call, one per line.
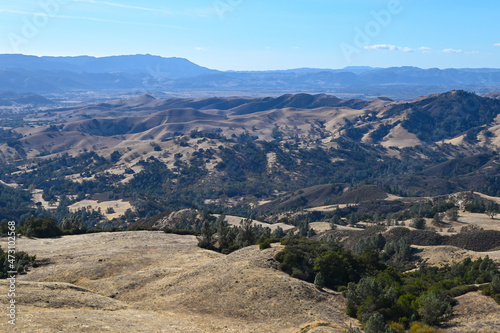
point(243, 70)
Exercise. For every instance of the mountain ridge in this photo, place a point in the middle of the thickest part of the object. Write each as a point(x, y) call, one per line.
point(155, 75)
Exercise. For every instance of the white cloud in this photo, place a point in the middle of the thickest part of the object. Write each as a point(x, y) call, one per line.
point(425, 49)
point(391, 47)
point(199, 48)
point(452, 51)
point(124, 6)
point(381, 47)
point(496, 44)
point(406, 49)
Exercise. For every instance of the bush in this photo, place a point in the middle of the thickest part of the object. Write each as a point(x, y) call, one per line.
point(41, 228)
point(417, 327)
point(265, 244)
point(319, 281)
point(20, 262)
point(418, 223)
point(433, 307)
point(462, 290)
point(376, 324)
point(495, 284)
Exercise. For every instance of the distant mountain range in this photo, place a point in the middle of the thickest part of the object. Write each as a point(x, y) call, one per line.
point(155, 75)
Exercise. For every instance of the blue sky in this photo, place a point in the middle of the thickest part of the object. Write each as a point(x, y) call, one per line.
point(261, 34)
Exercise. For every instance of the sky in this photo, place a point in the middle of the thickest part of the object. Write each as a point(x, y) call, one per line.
point(261, 34)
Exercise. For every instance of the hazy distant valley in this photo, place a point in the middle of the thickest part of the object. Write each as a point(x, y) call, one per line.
point(88, 79)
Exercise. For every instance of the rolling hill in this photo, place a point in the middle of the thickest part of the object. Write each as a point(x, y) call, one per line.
point(152, 281)
point(238, 152)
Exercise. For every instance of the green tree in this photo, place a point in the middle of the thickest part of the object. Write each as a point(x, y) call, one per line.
point(115, 156)
point(433, 307)
point(376, 324)
point(40, 227)
point(495, 284)
point(223, 232)
point(452, 214)
point(278, 233)
point(319, 281)
point(418, 223)
point(206, 238)
point(246, 235)
point(492, 210)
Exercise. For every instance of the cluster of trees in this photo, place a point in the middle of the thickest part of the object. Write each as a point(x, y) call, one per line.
point(39, 227)
point(20, 262)
point(13, 203)
point(216, 234)
point(378, 293)
point(423, 295)
point(305, 259)
point(47, 227)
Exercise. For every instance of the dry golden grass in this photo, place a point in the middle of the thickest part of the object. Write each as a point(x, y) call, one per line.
point(400, 137)
point(446, 255)
point(156, 282)
point(119, 207)
point(475, 313)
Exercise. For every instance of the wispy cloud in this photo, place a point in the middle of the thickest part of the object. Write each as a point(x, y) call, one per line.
point(390, 47)
point(425, 49)
point(94, 19)
point(125, 6)
point(496, 44)
point(452, 51)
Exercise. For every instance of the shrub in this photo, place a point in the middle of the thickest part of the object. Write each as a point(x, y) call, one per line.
point(265, 244)
point(21, 262)
point(319, 281)
point(461, 290)
point(376, 324)
point(418, 223)
point(417, 327)
point(495, 284)
point(433, 307)
point(38, 227)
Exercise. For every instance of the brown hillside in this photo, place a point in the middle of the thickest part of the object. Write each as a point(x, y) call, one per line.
point(157, 282)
